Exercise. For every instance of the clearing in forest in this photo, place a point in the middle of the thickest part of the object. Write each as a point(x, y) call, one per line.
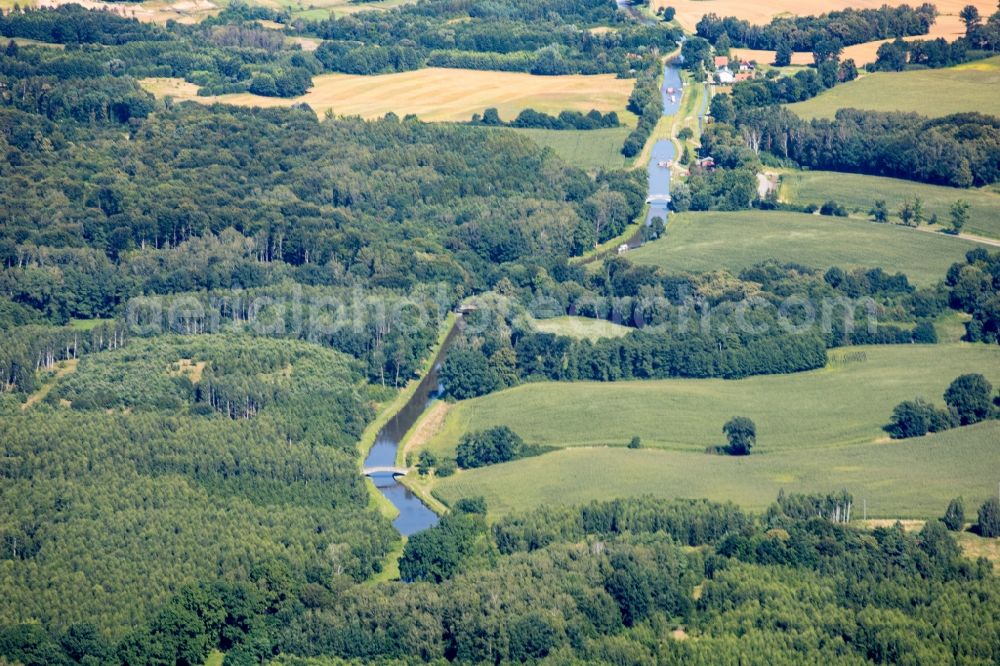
point(699, 242)
point(586, 328)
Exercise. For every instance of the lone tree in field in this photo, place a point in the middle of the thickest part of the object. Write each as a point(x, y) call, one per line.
point(959, 215)
point(954, 517)
point(783, 54)
point(970, 398)
point(970, 17)
point(906, 213)
point(989, 518)
point(880, 211)
point(742, 435)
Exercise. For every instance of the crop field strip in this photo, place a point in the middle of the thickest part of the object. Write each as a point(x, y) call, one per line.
point(434, 94)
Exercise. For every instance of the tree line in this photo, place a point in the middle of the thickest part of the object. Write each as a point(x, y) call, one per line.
point(566, 120)
point(606, 581)
point(973, 287)
point(980, 40)
point(546, 38)
point(966, 145)
point(804, 33)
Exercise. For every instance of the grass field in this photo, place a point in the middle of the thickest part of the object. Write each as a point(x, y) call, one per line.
point(581, 327)
point(23, 41)
point(708, 241)
point(857, 193)
point(587, 149)
point(435, 94)
point(314, 10)
point(906, 479)
point(930, 92)
point(842, 404)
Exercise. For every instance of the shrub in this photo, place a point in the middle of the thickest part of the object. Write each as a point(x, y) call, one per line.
point(969, 397)
point(488, 447)
point(446, 467)
point(832, 208)
point(916, 418)
point(742, 435)
point(475, 505)
point(466, 373)
point(924, 333)
point(989, 518)
point(954, 516)
point(635, 443)
point(426, 462)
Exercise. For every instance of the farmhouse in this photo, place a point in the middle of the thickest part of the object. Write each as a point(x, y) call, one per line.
point(725, 76)
point(721, 62)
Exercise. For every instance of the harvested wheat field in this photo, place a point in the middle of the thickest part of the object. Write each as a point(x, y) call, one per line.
point(155, 11)
point(689, 12)
point(433, 94)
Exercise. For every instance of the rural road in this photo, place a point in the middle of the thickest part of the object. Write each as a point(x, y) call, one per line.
point(969, 237)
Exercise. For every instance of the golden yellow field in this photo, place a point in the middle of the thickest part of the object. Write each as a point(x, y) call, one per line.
point(433, 94)
point(689, 12)
point(193, 11)
point(154, 11)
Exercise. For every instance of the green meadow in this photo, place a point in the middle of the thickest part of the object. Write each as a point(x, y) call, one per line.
point(700, 242)
point(898, 479)
point(929, 92)
point(587, 149)
point(858, 193)
point(845, 403)
point(581, 327)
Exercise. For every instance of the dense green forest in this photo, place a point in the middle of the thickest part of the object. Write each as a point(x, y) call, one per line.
point(603, 583)
point(221, 457)
point(966, 146)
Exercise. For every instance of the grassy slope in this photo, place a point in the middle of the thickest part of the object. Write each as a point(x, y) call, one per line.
point(709, 241)
point(587, 149)
point(858, 193)
point(842, 404)
point(581, 327)
point(913, 478)
point(932, 92)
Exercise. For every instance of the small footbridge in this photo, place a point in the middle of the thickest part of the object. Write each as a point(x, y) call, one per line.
point(384, 471)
